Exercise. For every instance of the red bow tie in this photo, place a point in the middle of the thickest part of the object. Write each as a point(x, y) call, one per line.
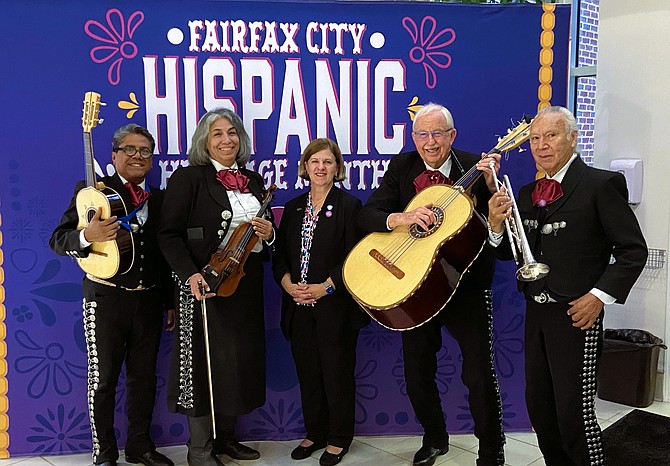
point(233, 180)
point(545, 192)
point(429, 178)
point(137, 194)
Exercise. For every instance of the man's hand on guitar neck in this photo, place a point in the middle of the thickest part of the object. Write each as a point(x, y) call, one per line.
point(484, 166)
point(99, 231)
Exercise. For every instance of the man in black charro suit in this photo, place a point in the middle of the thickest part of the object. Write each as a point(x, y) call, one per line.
point(468, 315)
point(577, 220)
point(123, 315)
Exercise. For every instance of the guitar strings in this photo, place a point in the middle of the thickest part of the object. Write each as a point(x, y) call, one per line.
point(396, 250)
point(242, 245)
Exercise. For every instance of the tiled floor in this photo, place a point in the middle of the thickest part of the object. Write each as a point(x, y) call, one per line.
point(520, 450)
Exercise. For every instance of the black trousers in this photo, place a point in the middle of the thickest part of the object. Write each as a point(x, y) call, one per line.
point(121, 326)
point(200, 445)
point(324, 350)
point(561, 385)
point(468, 318)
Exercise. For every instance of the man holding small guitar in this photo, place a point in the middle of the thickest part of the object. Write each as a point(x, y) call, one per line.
point(468, 315)
point(123, 313)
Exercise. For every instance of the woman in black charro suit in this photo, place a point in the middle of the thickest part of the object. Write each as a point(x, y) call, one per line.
point(204, 203)
point(319, 317)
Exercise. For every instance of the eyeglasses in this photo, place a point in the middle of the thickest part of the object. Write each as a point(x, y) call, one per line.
point(437, 135)
point(145, 152)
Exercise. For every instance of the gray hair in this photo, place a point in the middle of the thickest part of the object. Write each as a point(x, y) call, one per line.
point(431, 107)
point(568, 117)
point(198, 154)
point(131, 128)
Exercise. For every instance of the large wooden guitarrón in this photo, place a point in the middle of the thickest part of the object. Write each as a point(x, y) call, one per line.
point(405, 277)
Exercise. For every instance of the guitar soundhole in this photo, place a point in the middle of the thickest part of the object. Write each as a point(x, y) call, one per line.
point(417, 232)
point(90, 213)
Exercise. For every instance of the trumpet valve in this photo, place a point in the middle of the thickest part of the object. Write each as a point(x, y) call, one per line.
point(531, 272)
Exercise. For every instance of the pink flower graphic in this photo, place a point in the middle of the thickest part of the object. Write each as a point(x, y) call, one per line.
point(114, 34)
point(427, 45)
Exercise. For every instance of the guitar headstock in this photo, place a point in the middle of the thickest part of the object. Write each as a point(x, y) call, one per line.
point(514, 137)
point(91, 111)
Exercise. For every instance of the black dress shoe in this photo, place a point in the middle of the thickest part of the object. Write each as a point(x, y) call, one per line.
point(150, 458)
point(237, 451)
point(331, 459)
point(300, 452)
point(106, 463)
point(426, 455)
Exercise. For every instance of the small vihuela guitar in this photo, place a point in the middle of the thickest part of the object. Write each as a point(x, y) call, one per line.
point(109, 258)
point(405, 277)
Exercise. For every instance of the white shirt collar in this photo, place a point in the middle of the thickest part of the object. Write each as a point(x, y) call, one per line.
point(219, 166)
point(561, 173)
point(445, 168)
point(141, 185)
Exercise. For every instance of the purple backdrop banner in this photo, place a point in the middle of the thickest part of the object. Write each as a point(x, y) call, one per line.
point(352, 71)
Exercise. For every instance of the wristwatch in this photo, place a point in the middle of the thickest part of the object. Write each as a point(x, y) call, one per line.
point(329, 288)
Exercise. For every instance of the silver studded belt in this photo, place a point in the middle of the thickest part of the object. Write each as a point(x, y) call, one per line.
point(543, 298)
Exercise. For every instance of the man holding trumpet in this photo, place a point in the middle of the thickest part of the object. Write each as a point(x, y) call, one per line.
point(575, 219)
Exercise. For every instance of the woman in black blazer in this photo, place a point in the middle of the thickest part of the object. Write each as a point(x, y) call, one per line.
point(319, 317)
point(203, 205)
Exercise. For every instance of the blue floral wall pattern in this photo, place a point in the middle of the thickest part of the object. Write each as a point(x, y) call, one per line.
point(59, 431)
point(160, 67)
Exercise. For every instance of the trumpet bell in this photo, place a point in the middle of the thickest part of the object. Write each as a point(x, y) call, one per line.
point(531, 272)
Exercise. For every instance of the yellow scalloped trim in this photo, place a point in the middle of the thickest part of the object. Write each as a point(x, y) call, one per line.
point(546, 73)
point(4, 401)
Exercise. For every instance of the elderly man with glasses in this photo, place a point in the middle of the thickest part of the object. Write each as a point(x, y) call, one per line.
point(468, 315)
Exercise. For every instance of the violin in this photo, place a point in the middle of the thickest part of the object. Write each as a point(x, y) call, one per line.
point(225, 268)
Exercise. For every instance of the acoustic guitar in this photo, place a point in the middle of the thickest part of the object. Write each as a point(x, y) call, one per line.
point(109, 258)
point(405, 277)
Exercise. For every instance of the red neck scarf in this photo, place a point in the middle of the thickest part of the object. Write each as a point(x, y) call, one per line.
point(137, 194)
point(233, 180)
point(546, 191)
point(429, 178)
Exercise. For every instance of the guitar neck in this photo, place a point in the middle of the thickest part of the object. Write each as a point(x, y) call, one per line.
point(89, 161)
point(470, 177)
point(511, 142)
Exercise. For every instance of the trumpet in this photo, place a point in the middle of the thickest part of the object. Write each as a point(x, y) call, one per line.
point(529, 269)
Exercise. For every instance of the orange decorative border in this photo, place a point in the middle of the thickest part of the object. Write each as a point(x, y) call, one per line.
point(546, 73)
point(4, 401)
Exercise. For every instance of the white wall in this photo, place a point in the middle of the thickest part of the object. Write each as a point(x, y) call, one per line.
point(633, 120)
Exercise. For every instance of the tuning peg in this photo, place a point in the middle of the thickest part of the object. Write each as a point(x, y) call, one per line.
point(101, 120)
point(104, 104)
